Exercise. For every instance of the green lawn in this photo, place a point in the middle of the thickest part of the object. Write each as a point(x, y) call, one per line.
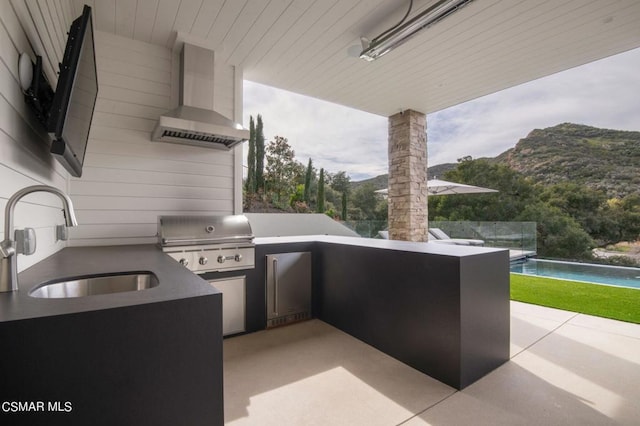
point(599, 300)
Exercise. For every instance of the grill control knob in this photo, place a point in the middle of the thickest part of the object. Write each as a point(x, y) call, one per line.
point(184, 262)
point(203, 260)
point(237, 257)
point(221, 259)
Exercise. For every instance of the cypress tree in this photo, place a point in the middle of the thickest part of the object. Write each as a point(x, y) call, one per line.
point(307, 183)
point(251, 158)
point(259, 155)
point(344, 205)
point(320, 207)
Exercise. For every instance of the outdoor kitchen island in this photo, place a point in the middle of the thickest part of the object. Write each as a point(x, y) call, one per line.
point(154, 356)
point(151, 356)
point(441, 309)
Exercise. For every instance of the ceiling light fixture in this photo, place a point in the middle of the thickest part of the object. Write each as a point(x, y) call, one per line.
point(403, 31)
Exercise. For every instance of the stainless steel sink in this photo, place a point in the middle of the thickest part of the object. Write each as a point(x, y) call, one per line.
point(95, 285)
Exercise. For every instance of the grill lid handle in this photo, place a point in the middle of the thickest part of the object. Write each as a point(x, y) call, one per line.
point(234, 238)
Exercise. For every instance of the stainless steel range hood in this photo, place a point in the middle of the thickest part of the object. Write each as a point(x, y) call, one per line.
point(198, 126)
point(195, 122)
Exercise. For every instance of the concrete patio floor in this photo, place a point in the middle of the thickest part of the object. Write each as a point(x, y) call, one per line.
point(565, 369)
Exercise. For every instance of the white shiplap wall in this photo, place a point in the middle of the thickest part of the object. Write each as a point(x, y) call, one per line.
point(128, 180)
point(37, 27)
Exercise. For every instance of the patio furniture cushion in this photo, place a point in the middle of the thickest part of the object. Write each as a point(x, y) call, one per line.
point(441, 237)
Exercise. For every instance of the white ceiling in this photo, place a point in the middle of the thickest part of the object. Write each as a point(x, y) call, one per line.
point(302, 45)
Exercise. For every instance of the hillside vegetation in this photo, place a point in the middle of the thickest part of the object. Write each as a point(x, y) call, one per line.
point(580, 184)
point(382, 181)
point(601, 159)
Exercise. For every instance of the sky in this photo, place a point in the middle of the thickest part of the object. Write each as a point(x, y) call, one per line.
point(605, 94)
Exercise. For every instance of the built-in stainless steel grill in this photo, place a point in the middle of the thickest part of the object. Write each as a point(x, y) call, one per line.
point(208, 243)
point(211, 246)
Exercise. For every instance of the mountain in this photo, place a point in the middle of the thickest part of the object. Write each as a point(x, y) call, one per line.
point(382, 181)
point(604, 159)
point(438, 171)
point(378, 182)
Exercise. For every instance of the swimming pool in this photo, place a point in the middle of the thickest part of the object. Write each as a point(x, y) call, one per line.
point(587, 272)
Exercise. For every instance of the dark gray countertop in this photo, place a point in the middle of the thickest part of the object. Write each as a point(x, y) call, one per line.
point(417, 247)
point(175, 282)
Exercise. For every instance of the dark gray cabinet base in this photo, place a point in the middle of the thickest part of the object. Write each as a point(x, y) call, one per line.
point(442, 310)
point(445, 316)
point(149, 364)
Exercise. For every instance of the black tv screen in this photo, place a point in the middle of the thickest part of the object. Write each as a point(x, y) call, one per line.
point(75, 96)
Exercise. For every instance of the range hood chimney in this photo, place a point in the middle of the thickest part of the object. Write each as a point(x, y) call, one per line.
point(195, 122)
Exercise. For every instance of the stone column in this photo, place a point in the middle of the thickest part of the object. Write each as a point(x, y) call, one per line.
point(408, 218)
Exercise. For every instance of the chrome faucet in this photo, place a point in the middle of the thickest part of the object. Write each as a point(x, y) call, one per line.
point(24, 239)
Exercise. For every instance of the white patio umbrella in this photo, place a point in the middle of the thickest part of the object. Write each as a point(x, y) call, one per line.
point(443, 187)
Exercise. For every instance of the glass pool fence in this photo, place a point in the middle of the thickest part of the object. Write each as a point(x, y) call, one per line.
point(510, 235)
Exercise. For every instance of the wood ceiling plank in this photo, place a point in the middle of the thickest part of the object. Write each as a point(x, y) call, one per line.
point(257, 31)
point(225, 19)
point(331, 46)
point(249, 25)
point(186, 16)
point(77, 9)
point(68, 12)
point(105, 15)
point(333, 60)
point(146, 11)
point(315, 35)
point(9, 55)
point(29, 14)
point(59, 21)
point(49, 29)
point(271, 57)
point(16, 33)
point(125, 17)
point(165, 17)
point(274, 34)
point(206, 17)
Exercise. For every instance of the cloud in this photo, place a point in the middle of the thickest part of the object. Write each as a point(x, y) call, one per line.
point(600, 94)
point(335, 137)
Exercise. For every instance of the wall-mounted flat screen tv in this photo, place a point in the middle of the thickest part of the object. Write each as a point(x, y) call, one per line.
point(75, 97)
